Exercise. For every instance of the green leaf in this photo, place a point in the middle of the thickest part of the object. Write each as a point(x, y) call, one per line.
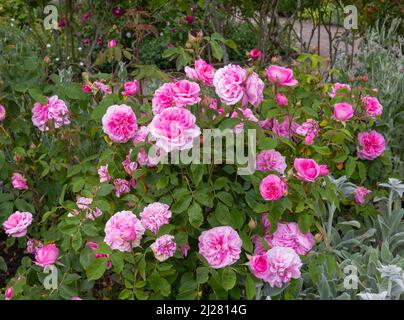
point(23, 205)
point(216, 50)
point(229, 123)
point(182, 203)
point(195, 215)
point(229, 278)
point(305, 221)
point(250, 287)
point(77, 241)
point(117, 261)
point(225, 197)
point(222, 213)
point(350, 166)
point(2, 159)
point(267, 144)
point(96, 268)
point(247, 243)
point(105, 189)
point(37, 95)
point(3, 265)
point(202, 275)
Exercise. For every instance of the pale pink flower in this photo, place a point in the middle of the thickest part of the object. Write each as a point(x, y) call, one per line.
point(163, 98)
point(289, 235)
point(174, 129)
point(131, 88)
point(281, 99)
point(286, 129)
point(123, 231)
point(155, 215)
point(371, 145)
point(360, 194)
point(94, 213)
point(54, 110)
point(75, 298)
point(128, 165)
point(203, 72)
point(83, 203)
point(308, 129)
point(33, 245)
point(271, 160)
point(102, 87)
point(17, 223)
point(185, 249)
point(273, 188)
point(254, 90)
point(164, 247)
point(229, 83)
point(307, 169)
point(73, 213)
point(335, 90)
point(46, 255)
point(247, 113)
point(119, 123)
point(220, 246)
point(2, 112)
point(121, 187)
point(19, 182)
point(112, 43)
point(9, 293)
point(185, 93)
point(373, 107)
point(343, 111)
point(280, 75)
point(284, 265)
point(104, 174)
point(256, 54)
point(143, 159)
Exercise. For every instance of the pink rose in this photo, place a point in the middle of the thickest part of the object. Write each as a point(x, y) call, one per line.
point(19, 182)
point(335, 90)
point(280, 75)
point(119, 123)
point(247, 113)
point(185, 93)
point(174, 129)
point(54, 110)
point(9, 293)
point(128, 165)
point(189, 19)
point(17, 223)
point(164, 247)
point(281, 99)
point(289, 235)
point(121, 187)
point(203, 72)
point(141, 135)
point(307, 169)
point(83, 203)
point(220, 246)
point(309, 130)
point(131, 88)
point(104, 88)
point(117, 12)
point(259, 265)
point(155, 215)
point(324, 170)
point(75, 298)
point(286, 129)
point(33, 245)
point(373, 107)
point(360, 194)
point(123, 231)
point(2, 112)
point(86, 87)
point(112, 43)
point(256, 54)
point(259, 247)
point(284, 265)
point(254, 88)
point(185, 249)
point(343, 111)
point(371, 145)
point(46, 255)
point(273, 188)
point(163, 98)
point(271, 160)
point(229, 83)
point(104, 174)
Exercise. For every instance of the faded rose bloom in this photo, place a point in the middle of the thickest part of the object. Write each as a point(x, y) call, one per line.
point(286, 129)
point(271, 160)
point(155, 215)
point(128, 165)
point(309, 129)
point(19, 182)
point(254, 88)
point(102, 87)
point(121, 187)
point(164, 247)
point(360, 194)
point(93, 214)
point(335, 90)
point(83, 203)
point(104, 174)
point(55, 110)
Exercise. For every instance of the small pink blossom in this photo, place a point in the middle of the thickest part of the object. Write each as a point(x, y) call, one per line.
point(281, 99)
point(343, 111)
point(131, 88)
point(55, 110)
point(185, 249)
point(164, 247)
point(203, 72)
point(17, 224)
point(128, 165)
point(189, 19)
point(271, 160)
point(335, 90)
point(371, 145)
point(2, 112)
point(309, 129)
point(324, 170)
point(117, 12)
point(112, 43)
point(46, 255)
point(9, 293)
point(280, 75)
point(86, 87)
point(93, 214)
point(83, 203)
point(19, 182)
point(256, 54)
point(185, 93)
point(102, 87)
point(273, 188)
point(104, 174)
point(121, 187)
point(360, 194)
point(220, 246)
point(155, 215)
point(119, 123)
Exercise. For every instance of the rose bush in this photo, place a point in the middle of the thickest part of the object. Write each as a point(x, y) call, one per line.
point(82, 192)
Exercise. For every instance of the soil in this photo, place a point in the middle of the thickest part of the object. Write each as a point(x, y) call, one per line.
point(12, 256)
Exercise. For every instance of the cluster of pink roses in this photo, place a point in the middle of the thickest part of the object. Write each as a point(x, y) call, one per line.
point(54, 113)
point(84, 204)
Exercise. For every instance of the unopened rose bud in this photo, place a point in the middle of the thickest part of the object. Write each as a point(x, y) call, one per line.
point(252, 224)
point(318, 237)
point(365, 78)
point(46, 59)
point(339, 165)
point(9, 293)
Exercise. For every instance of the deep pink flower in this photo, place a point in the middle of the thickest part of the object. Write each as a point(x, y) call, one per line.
point(163, 98)
point(271, 160)
point(185, 93)
point(86, 87)
point(254, 88)
point(85, 17)
point(280, 75)
point(17, 223)
point(281, 99)
point(360, 194)
point(164, 247)
point(343, 111)
point(189, 19)
point(131, 88)
point(259, 265)
point(123, 231)
point(9, 293)
point(220, 246)
point(55, 110)
point(307, 169)
point(112, 43)
point(203, 72)
point(174, 129)
point(309, 130)
point(371, 145)
point(256, 54)
point(19, 182)
point(46, 255)
point(117, 12)
point(2, 112)
point(155, 215)
point(119, 123)
point(373, 107)
point(286, 129)
point(324, 170)
point(273, 188)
